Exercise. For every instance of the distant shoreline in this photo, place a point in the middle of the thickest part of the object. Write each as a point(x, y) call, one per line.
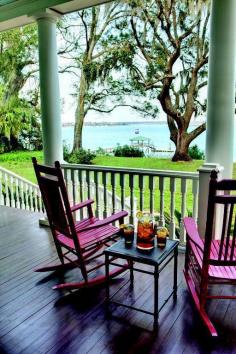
point(71, 124)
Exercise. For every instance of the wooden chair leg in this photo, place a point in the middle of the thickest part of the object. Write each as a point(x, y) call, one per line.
point(92, 282)
point(205, 318)
point(186, 263)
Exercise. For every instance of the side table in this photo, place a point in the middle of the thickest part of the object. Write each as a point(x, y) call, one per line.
point(157, 257)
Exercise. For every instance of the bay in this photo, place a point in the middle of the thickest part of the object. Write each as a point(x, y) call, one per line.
point(109, 136)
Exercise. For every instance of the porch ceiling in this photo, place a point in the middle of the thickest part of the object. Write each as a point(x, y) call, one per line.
point(15, 13)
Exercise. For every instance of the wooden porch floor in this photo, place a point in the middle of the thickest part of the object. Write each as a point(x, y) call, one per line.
point(36, 319)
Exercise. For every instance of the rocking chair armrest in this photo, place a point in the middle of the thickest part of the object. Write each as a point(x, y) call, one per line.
point(82, 205)
point(107, 221)
point(192, 232)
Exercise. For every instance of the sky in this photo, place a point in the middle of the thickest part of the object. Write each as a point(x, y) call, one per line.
point(120, 114)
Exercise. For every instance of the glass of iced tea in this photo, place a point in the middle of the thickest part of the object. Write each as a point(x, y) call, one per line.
point(128, 234)
point(145, 231)
point(162, 233)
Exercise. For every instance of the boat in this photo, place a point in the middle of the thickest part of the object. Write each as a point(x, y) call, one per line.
point(136, 131)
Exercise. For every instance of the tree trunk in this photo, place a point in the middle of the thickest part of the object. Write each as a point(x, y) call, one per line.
point(14, 144)
point(80, 114)
point(181, 147)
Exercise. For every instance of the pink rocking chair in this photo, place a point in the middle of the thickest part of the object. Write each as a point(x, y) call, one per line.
point(211, 260)
point(77, 243)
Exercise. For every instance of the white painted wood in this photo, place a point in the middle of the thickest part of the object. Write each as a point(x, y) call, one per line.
point(172, 208)
point(183, 210)
point(161, 189)
point(195, 185)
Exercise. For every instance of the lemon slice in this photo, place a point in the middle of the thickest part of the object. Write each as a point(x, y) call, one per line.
point(139, 215)
point(122, 226)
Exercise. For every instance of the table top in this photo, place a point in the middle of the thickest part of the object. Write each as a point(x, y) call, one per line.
point(152, 257)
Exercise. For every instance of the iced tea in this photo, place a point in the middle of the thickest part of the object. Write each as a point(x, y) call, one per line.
point(145, 232)
point(129, 234)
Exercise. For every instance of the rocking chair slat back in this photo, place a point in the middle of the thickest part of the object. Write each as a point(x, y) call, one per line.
point(55, 198)
point(54, 205)
point(226, 254)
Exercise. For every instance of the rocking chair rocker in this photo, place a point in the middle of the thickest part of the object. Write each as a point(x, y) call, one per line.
point(211, 260)
point(80, 242)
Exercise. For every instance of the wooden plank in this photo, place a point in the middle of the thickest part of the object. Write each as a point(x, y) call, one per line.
point(36, 319)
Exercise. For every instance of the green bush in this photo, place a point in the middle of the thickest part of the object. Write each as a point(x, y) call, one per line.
point(195, 153)
point(100, 151)
point(66, 152)
point(79, 156)
point(128, 151)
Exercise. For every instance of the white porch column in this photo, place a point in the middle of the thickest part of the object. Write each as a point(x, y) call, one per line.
point(204, 177)
point(49, 87)
point(221, 85)
point(220, 102)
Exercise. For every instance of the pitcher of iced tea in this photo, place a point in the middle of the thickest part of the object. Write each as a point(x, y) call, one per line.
point(145, 231)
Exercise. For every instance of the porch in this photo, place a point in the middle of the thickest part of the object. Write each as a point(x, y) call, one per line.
point(36, 319)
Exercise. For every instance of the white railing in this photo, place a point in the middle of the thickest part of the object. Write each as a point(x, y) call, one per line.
point(18, 192)
point(169, 195)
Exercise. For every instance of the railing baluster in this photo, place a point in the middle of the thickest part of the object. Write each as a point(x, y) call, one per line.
point(141, 192)
point(195, 197)
point(66, 177)
point(39, 200)
point(161, 188)
point(122, 192)
point(17, 194)
point(113, 188)
point(131, 187)
point(1, 189)
point(104, 182)
point(88, 184)
point(172, 208)
point(76, 192)
point(11, 190)
point(81, 188)
point(73, 187)
point(6, 189)
point(22, 195)
point(183, 209)
point(35, 201)
point(31, 198)
point(26, 192)
point(97, 199)
point(151, 189)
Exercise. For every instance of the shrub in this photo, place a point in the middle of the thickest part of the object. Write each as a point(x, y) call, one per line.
point(79, 156)
point(66, 152)
point(101, 151)
point(195, 153)
point(128, 151)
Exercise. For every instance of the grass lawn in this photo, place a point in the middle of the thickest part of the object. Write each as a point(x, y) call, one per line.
point(20, 163)
point(148, 163)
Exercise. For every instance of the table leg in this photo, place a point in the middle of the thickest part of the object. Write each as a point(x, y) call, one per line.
point(175, 272)
point(156, 295)
point(107, 282)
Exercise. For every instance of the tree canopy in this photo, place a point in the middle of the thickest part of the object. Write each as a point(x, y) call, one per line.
point(19, 112)
point(168, 45)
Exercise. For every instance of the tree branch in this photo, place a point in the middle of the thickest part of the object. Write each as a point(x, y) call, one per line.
point(197, 131)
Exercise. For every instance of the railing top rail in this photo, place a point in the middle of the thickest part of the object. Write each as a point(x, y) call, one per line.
point(144, 172)
point(12, 174)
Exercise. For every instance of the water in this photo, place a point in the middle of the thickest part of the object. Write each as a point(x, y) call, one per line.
point(108, 136)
